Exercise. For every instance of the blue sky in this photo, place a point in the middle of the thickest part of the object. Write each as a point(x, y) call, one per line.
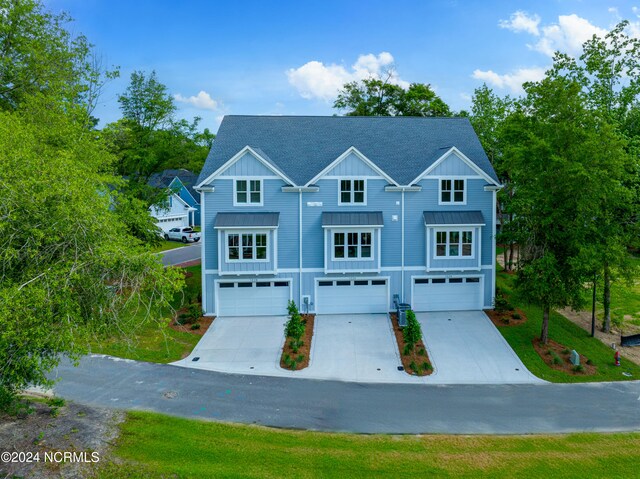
point(289, 57)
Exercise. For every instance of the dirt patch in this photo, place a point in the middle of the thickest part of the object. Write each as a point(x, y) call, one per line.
point(558, 357)
point(303, 350)
point(583, 319)
point(506, 318)
point(195, 262)
point(418, 357)
point(204, 322)
point(75, 429)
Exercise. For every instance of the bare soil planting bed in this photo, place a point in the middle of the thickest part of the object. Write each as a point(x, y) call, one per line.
point(305, 349)
point(418, 356)
point(505, 318)
point(553, 350)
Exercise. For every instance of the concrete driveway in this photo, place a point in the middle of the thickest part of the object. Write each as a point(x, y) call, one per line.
point(466, 348)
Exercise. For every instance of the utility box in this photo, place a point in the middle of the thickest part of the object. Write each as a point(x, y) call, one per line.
point(575, 358)
point(402, 314)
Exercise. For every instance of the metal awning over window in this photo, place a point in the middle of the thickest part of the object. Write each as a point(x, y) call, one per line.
point(453, 218)
point(352, 219)
point(246, 220)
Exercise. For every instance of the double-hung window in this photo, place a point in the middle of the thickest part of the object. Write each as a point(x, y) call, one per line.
point(352, 245)
point(247, 247)
point(454, 244)
point(452, 191)
point(248, 192)
point(352, 192)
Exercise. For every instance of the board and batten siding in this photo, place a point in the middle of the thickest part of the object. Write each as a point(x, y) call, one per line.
point(351, 165)
point(453, 166)
point(249, 166)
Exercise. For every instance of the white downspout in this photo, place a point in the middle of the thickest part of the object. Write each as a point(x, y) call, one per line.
point(403, 299)
point(300, 249)
point(202, 251)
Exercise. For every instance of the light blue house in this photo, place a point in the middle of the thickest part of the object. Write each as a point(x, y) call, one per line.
point(182, 207)
point(340, 214)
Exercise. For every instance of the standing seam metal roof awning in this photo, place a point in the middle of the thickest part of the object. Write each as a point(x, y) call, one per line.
point(451, 218)
point(366, 218)
point(247, 220)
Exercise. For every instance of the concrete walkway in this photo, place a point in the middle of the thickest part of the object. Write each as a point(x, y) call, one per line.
point(352, 407)
point(467, 349)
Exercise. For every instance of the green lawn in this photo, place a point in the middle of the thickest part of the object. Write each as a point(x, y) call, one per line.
point(153, 446)
point(152, 340)
point(167, 245)
point(564, 332)
point(625, 300)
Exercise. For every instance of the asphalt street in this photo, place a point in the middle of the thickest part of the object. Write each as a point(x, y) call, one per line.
point(191, 252)
point(353, 407)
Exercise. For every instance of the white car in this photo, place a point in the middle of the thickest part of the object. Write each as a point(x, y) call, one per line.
point(184, 234)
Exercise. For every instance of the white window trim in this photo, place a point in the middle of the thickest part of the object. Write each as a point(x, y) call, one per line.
point(474, 233)
point(346, 232)
point(452, 203)
point(248, 179)
point(351, 179)
point(240, 259)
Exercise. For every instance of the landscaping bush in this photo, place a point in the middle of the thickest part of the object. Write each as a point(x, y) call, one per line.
point(294, 327)
point(412, 332)
point(195, 326)
point(579, 368)
point(426, 366)
point(194, 312)
point(516, 316)
point(556, 359)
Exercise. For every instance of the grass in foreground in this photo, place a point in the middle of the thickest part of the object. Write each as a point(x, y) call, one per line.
point(149, 341)
point(566, 333)
point(154, 446)
point(167, 245)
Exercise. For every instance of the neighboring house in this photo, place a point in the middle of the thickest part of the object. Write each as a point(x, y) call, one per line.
point(342, 213)
point(182, 207)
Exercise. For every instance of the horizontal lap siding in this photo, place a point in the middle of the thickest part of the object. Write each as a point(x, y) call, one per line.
point(242, 266)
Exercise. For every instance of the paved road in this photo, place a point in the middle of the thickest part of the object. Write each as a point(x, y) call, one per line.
point(181, 255)
point(354, 407)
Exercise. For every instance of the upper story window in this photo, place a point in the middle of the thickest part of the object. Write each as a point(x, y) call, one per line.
point(352, 245)
point(453, 191)
point(454, 244)
point(352, 192)
point(248, 192)
point(247, 247)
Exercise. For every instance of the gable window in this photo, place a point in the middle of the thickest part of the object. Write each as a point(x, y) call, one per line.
point(248, 192)
point(454, 244)
point(247, 247)
point(452, 191)
point(352, 192)
point(352, 245)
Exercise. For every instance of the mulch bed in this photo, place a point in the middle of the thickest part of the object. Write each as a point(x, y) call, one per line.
point(560, 351)
point(195, 262)
point(415, 355)
point(305, 349)
point(505, 318)
point(204, 322)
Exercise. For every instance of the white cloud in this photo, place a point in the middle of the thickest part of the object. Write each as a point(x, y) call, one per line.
point(521, 22)
point(512, 81)
point(567, 35)
point(202, 100)
point(314, 79)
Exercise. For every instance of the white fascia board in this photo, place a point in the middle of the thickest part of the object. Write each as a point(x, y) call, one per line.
point(297, 189)
point(183, 186)
point(236, 157)
point(355, 151)
point(402, 188)
point(493, 187)
point(463, 157)
point(180, 199)
point(230, 228)
point(339, 227)
point(453, 226)
point(206, 189)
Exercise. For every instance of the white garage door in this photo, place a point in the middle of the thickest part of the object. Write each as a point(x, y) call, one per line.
point(244, 298)
point(168, 223)
point(447, 294)
point(352, 296)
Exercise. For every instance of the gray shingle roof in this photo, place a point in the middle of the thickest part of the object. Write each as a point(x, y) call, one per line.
point(164, 179)
point(302, 146)
point(244, 220)
point(353, 218)
point(453, 218)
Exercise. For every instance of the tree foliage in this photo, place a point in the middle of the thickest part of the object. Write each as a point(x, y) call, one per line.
point(146, 103)
point(379, 97)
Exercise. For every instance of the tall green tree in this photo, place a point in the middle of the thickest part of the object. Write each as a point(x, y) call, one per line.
point(146, 103)
point(379, 97)
point(608, 72)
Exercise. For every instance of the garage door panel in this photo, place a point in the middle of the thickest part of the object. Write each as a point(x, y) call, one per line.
point(352, 296)
point(245, 298)
point(167, 224)
point(447, 294)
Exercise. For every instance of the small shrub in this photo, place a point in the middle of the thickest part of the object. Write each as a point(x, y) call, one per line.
point(510, 307)
point(506, 320)
point(182, 319)
point(579, 368)
point(589, 362)
point(56, 402)
point(556, 359)
point(426, 366)
point(194, 312)
point(54, 411)
point(422, 352)
point(195, 326)
point(566, 351)
point(294, 327)
point(414, 367)
point(516, 316)
point(286, 358)
point(300, 358)
point(500, 303)
point(412, 332)
point(407, 350)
